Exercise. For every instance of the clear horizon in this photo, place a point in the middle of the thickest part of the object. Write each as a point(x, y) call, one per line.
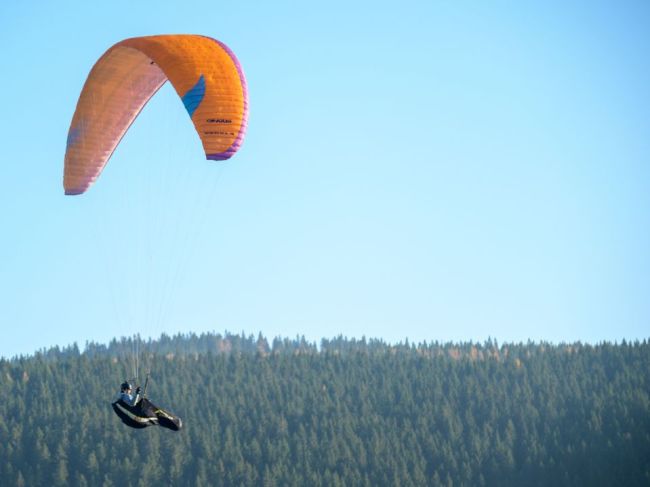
point(430, 171)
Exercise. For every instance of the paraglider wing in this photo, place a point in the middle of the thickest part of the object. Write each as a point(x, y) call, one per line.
point(204, 72)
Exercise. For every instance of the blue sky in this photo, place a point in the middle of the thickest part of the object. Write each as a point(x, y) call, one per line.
point(422, 170)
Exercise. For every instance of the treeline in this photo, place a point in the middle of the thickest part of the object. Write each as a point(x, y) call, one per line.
point(343, 412)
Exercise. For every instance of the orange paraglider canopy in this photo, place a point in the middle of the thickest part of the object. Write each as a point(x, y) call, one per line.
point(204, 72)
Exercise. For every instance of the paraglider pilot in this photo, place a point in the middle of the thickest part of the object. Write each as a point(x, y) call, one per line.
point(126, 396)
point(139, 412)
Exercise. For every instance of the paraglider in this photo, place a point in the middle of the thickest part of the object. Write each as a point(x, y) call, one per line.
point(138, 412)
point(210, 82)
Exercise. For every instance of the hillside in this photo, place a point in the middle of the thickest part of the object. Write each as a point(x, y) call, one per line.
point(346, 412)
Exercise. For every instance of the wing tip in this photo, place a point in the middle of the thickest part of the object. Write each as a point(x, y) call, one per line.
point(221, 156)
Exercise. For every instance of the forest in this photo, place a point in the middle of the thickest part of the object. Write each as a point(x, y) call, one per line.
point(342, 412)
